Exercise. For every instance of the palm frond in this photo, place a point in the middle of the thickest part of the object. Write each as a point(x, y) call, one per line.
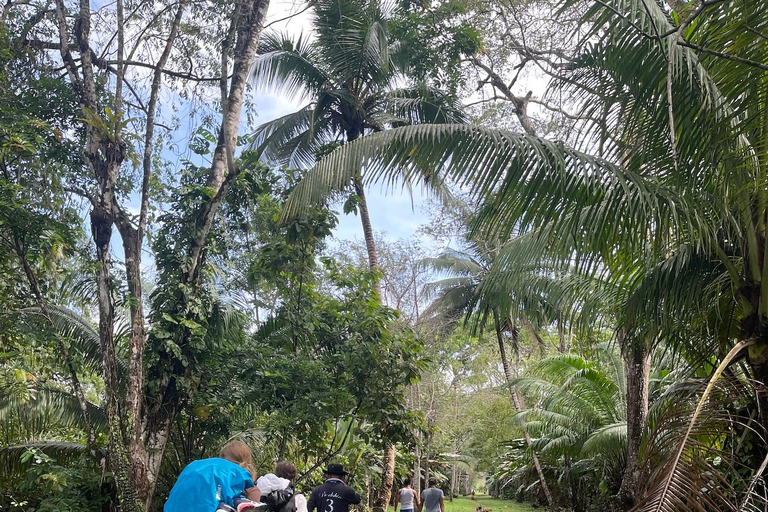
point(690, 470)
point(423, 105)
point(288, 66)
point(610, 439)
point(79, 333)
point(284, 140)
point(454, 262)
point(354, 41)
point(14, 463)
point(526, 180)
point(42, 409)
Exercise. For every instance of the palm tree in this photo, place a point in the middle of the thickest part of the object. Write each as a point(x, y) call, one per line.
point(514, 281)
point(683, 163)
point(35, 413)
point(579, 417)
point(580, 421)
point(350, 73)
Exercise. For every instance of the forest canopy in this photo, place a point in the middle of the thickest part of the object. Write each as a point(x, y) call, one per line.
point(574, 318)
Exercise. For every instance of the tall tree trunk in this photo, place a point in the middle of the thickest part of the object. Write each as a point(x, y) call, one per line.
point(135, 385)
point(243, 37)
point(453, 482)
point(518, 404)
point(637, 367)
point(416, 479)
point(384, 493)
point(426, 460)
point(365, 220)
point(561, 332)
point(118, 441)
point(367, 492)
point(146, 448)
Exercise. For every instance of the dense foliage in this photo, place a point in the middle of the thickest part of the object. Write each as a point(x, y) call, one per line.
point(581, 324)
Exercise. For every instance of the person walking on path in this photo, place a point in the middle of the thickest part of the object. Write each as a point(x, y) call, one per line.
point(432, 498)
point(278, 489)
point(408, 497)
point(334, 495)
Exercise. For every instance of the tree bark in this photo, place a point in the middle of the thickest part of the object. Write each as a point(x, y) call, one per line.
point(119, 456)
point(453, 482)
point(415, 403)
point(365, 220)
point(518, 404)
point(384, 493)
point(416, 479)
point(426, 460)
point(637, 367)
point(247, 26)
point(561, 332)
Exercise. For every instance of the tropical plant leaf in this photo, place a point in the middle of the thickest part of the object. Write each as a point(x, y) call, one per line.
point(80, 334)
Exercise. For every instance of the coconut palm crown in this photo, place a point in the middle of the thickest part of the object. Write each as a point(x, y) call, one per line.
point(353, 75)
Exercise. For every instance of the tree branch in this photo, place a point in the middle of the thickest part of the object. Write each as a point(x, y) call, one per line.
point(310, 4)
point(521, 104)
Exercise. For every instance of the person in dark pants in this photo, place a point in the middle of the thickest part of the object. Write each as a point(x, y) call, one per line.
point(334, 495)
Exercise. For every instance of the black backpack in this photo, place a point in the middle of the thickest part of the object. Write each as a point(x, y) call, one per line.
point(281, 501)
point(290, 505)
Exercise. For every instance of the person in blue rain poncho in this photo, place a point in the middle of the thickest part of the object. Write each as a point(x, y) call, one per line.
point(219, 483)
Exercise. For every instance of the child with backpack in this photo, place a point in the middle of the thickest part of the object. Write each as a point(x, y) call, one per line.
point(218, 483)
point(277, 489)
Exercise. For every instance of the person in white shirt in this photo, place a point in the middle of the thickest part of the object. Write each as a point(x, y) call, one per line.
point(277, 490)
point(407, 497)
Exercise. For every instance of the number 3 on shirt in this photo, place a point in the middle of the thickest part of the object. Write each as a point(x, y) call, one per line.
point(330, 506)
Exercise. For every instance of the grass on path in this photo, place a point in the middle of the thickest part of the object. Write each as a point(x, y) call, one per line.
point(467, 505)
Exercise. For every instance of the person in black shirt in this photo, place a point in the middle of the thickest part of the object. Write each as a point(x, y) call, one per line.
point(333, 495)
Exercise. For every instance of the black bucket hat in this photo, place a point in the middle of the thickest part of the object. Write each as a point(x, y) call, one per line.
point(335, 469)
